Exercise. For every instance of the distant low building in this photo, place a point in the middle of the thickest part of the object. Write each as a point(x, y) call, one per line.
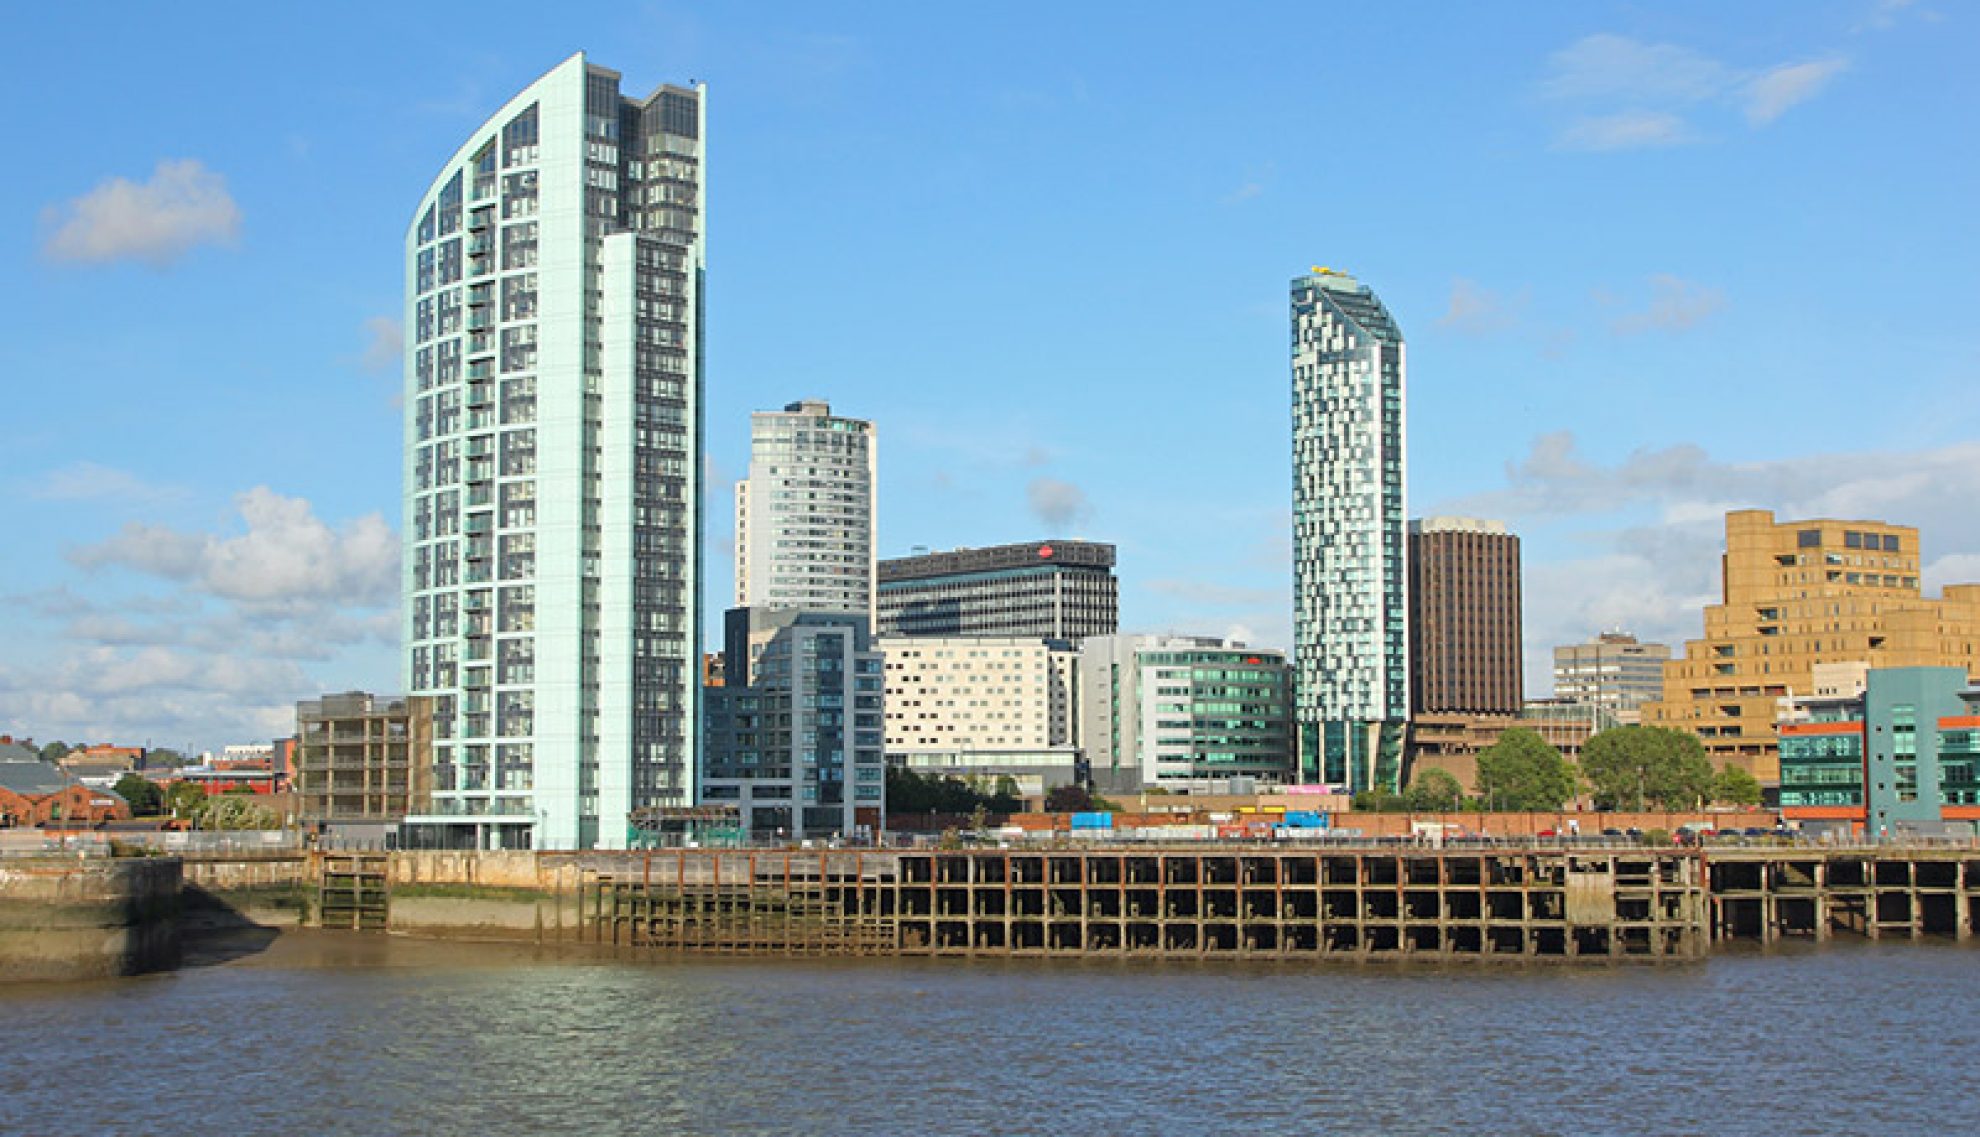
point(1612, 671)
point(34, 793)
point(1452, 742)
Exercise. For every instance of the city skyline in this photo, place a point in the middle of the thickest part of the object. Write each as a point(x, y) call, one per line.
point(1646, 332)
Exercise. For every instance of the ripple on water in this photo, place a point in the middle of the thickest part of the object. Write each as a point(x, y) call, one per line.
point(355, 1035)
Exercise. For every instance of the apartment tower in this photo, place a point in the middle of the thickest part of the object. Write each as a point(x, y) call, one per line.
point(552, 465)
point(804, 516)
point(1350, 585)
point(1464, 617)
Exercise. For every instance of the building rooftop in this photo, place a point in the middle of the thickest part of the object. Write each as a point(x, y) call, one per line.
point(32, 779)
point(1457, 525)
point(1033, 554)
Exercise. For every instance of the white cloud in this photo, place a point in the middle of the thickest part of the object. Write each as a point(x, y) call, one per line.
point(154, 696)
point(91, 481)
point(1058, 504)
point(183, 206)
point(1630, 130)
point(384, 344)
point(1253, 186)
point(1772, 93)
point(1476, 310)
point(1884, 15)
point(1933, 489)
point(225, 651)
point(1654, 578)
point(1956, 568)
point(1675, 305)
point(287, 556)
point(1612, 66)
point(1632, 95)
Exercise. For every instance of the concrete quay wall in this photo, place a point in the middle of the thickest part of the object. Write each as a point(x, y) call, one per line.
point(71, 918)
point(486, 895)
point(269, 890)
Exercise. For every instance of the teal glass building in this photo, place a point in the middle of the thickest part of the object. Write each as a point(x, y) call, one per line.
point(553, 426)
point(1350, 578)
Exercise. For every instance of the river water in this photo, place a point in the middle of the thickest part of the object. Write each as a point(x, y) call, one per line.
point(328, 1033)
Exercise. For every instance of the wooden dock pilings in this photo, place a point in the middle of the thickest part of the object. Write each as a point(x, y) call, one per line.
point(1579, 904)
point(1772, 894)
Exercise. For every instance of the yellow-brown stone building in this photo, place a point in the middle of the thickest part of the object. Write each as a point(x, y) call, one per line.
point(1799, 593)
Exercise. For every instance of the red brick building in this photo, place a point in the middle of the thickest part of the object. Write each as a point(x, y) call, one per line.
point(35, 793)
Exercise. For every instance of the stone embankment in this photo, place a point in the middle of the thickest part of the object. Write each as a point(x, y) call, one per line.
point(69, 918)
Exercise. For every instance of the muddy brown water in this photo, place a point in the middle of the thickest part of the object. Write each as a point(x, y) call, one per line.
point(347, 1033)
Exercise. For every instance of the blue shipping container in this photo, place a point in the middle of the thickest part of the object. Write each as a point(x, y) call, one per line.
point(1092, 821)
point(1305, 819)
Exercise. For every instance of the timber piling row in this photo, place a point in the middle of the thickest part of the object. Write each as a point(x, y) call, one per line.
point(1769, 895)
point(1267, 903)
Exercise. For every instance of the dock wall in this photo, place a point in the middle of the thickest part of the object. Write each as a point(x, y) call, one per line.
point(76, 918)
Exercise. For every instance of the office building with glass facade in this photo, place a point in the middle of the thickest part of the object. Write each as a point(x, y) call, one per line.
point(1899, 759)
point(804, 516)
point(1183, 713)
point(552, 465)
point(1350, 579)
point(1055, 590)
point(1612, 671)
point(795, 740)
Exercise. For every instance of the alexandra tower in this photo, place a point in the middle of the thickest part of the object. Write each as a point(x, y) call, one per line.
point(552, 464)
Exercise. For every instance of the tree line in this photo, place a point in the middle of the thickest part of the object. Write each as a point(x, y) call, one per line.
point(188, 802)
point(1625, 767)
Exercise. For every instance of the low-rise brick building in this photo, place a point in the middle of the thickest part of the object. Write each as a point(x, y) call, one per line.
point(34, 793)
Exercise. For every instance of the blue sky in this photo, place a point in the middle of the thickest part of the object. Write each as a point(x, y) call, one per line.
point(1653, 262)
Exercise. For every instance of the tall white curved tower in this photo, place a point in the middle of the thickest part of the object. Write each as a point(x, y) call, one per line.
point(552, 465)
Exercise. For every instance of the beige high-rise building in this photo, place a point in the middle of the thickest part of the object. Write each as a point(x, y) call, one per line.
point(1798, 594)
point(804, 516)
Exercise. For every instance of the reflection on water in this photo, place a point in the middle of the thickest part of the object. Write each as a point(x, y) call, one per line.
point(328, 1033)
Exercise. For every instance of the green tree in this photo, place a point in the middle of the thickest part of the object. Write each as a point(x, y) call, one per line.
point(1004, 796)
point(1734, 786)
point(1434, 790)
point(1379, 801)
point(163, 758)
point(1068, 799)
point(144, 797)
point(1636, 767)
point(909, 792)
point(1521, 771)
point(53, 752)
point(185, 800)
point(238, 813)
